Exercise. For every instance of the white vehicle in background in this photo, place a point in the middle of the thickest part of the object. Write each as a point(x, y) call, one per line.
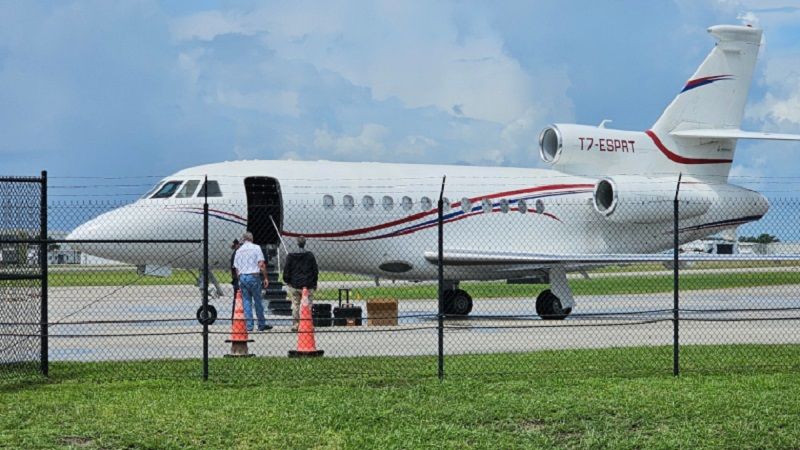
point(607, 199)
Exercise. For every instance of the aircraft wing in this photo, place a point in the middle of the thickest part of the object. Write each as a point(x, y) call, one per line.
point(490, 258)
point(734, 134)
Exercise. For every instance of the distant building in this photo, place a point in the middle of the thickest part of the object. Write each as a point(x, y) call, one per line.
point(15, 253)
point(714, 245)
point(778, 248)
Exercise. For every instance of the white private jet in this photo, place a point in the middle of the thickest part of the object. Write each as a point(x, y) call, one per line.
point(608, 199)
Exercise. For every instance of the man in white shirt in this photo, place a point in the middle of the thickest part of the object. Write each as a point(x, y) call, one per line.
point(249, 262)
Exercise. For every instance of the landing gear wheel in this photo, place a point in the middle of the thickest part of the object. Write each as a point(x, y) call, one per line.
point(457, 302)
point(207, 317)
point(548, 306)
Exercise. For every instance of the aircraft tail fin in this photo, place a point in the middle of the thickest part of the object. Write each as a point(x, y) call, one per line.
point(714, 97)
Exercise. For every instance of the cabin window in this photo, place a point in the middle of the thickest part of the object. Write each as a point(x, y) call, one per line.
point(348, 202)
point(425, 203)
point(188, 189)
point(466, 205)
point(327, 201)
point(522, 207)
point(504, 205)
point(167, 189)
point(407, 203)
point(539, 206)
point(367, 202)
point(388, 203)
point(213, 189)
point(486, 204)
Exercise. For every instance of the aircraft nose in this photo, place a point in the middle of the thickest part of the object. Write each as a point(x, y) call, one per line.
point(85, 231)
point(105, 227)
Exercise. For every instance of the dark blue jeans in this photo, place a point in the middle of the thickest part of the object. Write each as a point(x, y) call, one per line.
point(250, 286)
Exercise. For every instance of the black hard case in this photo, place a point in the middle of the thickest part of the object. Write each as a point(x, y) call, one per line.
point(321, 314)
point(346, 311)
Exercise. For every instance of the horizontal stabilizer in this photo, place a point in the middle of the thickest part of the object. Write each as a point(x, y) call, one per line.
point(481, 258)
point(734, 134)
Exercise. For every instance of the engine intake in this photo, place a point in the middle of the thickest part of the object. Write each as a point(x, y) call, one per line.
point(550, 144)
point(605, 197)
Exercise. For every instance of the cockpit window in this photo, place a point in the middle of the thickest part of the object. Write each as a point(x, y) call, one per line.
point(167, 189)
point(188, 189)
point(151, 191)
point(213, 189)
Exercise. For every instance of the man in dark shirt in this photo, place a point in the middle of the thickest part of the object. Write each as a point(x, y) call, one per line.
point(300, 272)
point(234, 276)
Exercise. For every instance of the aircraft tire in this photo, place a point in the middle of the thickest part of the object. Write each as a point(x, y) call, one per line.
point(548, 306)
point(460, 303)
point(457, 302)
point(207, 317)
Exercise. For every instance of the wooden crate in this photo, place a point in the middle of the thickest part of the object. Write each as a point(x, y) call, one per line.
point(382, 312)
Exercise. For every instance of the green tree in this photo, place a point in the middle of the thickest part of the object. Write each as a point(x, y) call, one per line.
point(762, 238)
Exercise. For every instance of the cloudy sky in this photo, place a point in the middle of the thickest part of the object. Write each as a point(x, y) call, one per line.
point(145, 88)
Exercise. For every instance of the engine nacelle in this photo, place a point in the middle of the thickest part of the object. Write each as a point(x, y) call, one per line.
point(585, 149)
point(636, 199)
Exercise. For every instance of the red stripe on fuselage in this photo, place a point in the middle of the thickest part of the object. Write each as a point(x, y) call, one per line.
point(420, 215)
point(682, 159)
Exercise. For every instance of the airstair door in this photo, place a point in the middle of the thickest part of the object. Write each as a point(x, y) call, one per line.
point(264, 209)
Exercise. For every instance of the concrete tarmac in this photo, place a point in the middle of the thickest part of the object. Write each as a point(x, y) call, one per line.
point(95, 324)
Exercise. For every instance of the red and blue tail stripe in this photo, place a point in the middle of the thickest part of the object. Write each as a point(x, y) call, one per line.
point(697, 82)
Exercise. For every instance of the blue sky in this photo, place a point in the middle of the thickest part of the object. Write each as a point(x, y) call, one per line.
point(138, 89)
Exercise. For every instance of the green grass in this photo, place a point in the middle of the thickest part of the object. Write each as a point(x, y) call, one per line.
point(128, 276)
point(597, 286)
point(614, 398)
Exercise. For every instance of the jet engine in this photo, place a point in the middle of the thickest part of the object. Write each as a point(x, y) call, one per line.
point(648, 200)
point(582, 149)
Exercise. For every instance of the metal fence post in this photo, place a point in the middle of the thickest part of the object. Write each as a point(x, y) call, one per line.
point(440, 315)
point(675, 285)
point(205, 282)
point(44, 352)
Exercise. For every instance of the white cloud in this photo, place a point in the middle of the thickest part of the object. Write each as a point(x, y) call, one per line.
point(207, 25)
point(472, 77)
point(412, 52)
point(767, 14)
point(270, 102)
point(414, 147)
point(368, 145)
point(779, 109)
point(748, 18)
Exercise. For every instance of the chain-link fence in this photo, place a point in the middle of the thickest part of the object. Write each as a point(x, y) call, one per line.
point(533, 282)
point(22, 304)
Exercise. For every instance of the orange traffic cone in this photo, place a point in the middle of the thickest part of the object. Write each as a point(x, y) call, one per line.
point(306, 346)
point(239, 338)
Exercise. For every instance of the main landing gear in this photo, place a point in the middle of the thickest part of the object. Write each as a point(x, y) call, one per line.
point(548, 306)
point(457, 302)
point(555, 303)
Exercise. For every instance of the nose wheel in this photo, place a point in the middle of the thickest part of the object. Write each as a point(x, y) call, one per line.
point(548, 306)
point(457, 302)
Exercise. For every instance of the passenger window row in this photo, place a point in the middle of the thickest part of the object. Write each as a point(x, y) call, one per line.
point(425, 204)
